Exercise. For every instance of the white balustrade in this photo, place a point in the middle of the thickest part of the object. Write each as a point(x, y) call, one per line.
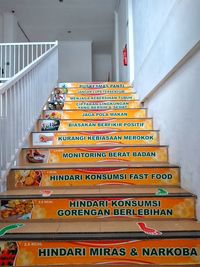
point(21, 101)
point(16, 56)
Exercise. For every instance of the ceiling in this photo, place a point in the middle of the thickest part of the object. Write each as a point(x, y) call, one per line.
point(49, 20)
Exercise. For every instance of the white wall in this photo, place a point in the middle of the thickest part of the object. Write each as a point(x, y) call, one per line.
point(102, 65)
point(122, 38)
point(165, 31)
point(175, 108)
point(123, 35)
point(1, 27)
point(115, 50)
point(75, 61)
point(167, 64)
point(9, 29)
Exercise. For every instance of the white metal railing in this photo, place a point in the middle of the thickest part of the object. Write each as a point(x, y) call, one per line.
point(21, 100)
point(16, 56)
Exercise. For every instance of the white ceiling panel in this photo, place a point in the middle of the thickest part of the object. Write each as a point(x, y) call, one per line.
point(49, 20)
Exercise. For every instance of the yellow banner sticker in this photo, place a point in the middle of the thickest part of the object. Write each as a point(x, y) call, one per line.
point(102, 105)
point(95, 125)
point(99, 208)
point(99, 91)
point(97, 177)
point(91, 91)
point(96, 154)
point(94, 114)
point(95, 85)
point(123, 252)
point(95, 138)
point(101, 97)
point(91, 252)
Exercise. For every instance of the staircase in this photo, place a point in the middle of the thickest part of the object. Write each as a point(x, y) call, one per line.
point(93, 186)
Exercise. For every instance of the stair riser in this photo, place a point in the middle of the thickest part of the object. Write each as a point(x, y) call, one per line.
point(95, 138)
point(95, 125)
point(94, 177)
point(102, 97)
point(97, 91)
point(95, 85)
point(99, 114)
point(62, 208)
point(101, 155)
point(101, 105)
point(114, 252)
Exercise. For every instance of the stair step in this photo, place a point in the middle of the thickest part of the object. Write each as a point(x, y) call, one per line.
point(113, 242)
point(95, 138)
point(98, 154)
point(96, 91)
point(105, 230)
point(94, 114)
point(101, 105)
point(98, 192)
point(90, 176)
point(94, 125)
point(94, 85)
point(101, 97)
point(97, 203)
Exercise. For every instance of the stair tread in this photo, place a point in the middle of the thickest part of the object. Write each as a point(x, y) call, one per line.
point(110, 130)
point(75, 110)
point(94, 146)
point(102, 120)
point(117, 226)
point(94, 165)
point(117, 191)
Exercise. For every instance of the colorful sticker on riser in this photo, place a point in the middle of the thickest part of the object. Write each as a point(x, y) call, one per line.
point(94, 85)
point(102, 105)
point(112, 252)
point(95, 138)
point(102, 97)
point(95, 154)
point(96, 177)
point(98, 208)
point(95, 125)
point(97, 91)
point(94, 114)
point(83, 91)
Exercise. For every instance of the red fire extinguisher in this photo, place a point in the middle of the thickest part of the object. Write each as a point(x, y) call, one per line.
point(125, 56)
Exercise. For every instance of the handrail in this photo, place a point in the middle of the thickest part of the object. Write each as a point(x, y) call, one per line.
point(27, 43)
point(16, 56)
point(21, 101)
point(21, 73)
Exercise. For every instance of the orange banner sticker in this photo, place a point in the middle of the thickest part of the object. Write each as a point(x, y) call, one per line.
point(97, 177)
point(113, 252)
point(95, 125)
point(94, 114)
point(95, 138)
point(102, 105)
point(94, 85)
point(101, 97)
point(96, 154)
point(99, 208)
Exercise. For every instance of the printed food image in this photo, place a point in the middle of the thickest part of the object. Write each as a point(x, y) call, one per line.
point(57, 105)
point(28, 178)
point(53, 115)
point(44, 138)
point(52, 125)
point(34, 156)
point(15, 208)
point(8, 252)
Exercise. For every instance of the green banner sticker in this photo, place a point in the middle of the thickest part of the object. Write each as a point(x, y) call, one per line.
point(10, 227)
point(161, 192)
